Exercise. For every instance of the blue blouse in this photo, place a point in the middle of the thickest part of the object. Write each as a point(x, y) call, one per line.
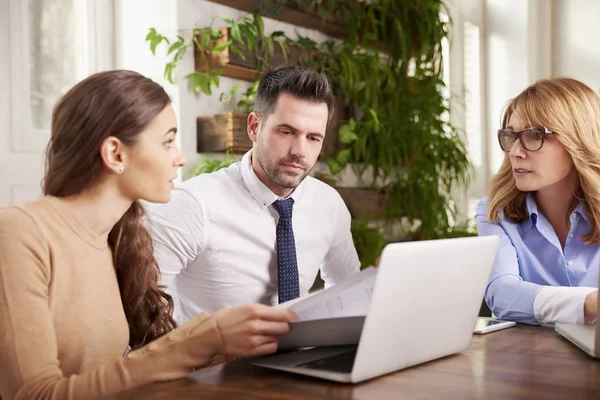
point(530, 257)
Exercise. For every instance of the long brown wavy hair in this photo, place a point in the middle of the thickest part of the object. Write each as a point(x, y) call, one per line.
point(119, 104)
point(571, 110)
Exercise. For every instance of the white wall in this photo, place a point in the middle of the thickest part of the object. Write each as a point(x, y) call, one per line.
point(5, 115)
point(133, 19)
point(577, 41)
point(519, 52)
point(507, 63)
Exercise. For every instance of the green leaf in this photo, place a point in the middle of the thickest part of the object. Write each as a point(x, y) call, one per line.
point(174, 47)
point(195, 42)
point(250, 42)
point(352, 124)
point(220, 47)
point(258, 21)
point(375, 119)
point(205, 41)
point(205, 87)
point(197, 79)
point(169, 72)
point(334, 167)
point(283, 46)
point(269, 50)
point(235, 33)
point(346, 135)
point(343, 157)
point(237, 51)
point(179, 54)
point(214, 80)
point(151, 34)
point(155, 42)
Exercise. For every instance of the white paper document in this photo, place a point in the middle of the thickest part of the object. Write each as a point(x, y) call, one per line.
point(332, 316)
point(349, 298)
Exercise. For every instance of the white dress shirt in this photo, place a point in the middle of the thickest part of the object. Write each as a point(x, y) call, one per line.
point(215, 241)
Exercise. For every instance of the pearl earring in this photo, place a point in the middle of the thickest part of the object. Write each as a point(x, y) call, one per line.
point(121, 168)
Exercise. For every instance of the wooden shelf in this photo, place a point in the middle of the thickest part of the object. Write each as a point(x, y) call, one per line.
point(234, 66)
point(292, 16)
point(364, 202)
point(222, 132)
point(230, 63)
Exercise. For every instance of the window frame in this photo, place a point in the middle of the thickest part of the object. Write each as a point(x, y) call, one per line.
point(98, 47)
point(472, 11)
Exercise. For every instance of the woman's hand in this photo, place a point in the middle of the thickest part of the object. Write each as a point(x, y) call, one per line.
point(252, 329)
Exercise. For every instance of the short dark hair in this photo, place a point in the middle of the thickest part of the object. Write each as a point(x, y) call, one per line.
point(301, 82)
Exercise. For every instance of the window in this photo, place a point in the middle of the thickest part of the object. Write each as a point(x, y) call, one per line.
point(463, 66)
point(473, 101)
point(53, 45)
point(472, 63)
point(57, 56)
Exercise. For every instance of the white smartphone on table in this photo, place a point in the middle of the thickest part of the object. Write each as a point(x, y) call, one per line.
point(487, 325)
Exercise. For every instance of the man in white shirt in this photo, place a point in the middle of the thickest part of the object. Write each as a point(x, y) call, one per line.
point(260, 230)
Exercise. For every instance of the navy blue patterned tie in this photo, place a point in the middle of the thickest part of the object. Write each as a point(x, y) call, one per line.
point(287, 266)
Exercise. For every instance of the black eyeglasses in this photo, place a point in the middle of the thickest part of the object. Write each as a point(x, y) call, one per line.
point(531, 139)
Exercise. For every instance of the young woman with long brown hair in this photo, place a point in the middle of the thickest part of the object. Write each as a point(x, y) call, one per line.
point(78, 280)
point(544, 204)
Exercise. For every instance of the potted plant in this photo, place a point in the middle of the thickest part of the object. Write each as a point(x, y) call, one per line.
point(401, 145)
point(239, 50)
point(227, 131)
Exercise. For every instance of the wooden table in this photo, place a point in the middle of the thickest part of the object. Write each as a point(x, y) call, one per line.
point(520, 362)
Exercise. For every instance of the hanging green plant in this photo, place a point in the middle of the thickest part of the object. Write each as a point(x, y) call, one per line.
point(244, 38)
point(388, 68)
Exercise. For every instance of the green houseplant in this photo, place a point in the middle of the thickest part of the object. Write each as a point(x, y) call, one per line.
point(244, 37)
point(207, 165)
point(388, 68)
point(368, 241)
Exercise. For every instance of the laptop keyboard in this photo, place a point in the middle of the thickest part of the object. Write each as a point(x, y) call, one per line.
point(342, 362)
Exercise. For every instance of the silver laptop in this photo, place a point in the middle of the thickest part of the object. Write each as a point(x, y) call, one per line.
point(424, 306)
point(586, 337)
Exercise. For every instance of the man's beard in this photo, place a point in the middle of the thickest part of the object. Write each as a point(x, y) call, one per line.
point(282, 179)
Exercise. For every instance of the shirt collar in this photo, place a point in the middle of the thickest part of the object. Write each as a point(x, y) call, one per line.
point(261, 193)
point(580, 209)
point(532, 210)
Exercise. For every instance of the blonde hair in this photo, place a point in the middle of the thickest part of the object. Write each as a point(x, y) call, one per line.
point(571, 110)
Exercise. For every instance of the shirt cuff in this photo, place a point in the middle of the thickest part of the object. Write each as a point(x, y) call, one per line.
point(554, 304)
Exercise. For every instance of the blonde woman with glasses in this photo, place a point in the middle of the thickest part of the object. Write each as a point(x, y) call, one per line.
point(544, 204)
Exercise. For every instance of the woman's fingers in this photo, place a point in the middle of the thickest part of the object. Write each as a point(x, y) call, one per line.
point(271, 328)
point(274, 313)
point(267, 348)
